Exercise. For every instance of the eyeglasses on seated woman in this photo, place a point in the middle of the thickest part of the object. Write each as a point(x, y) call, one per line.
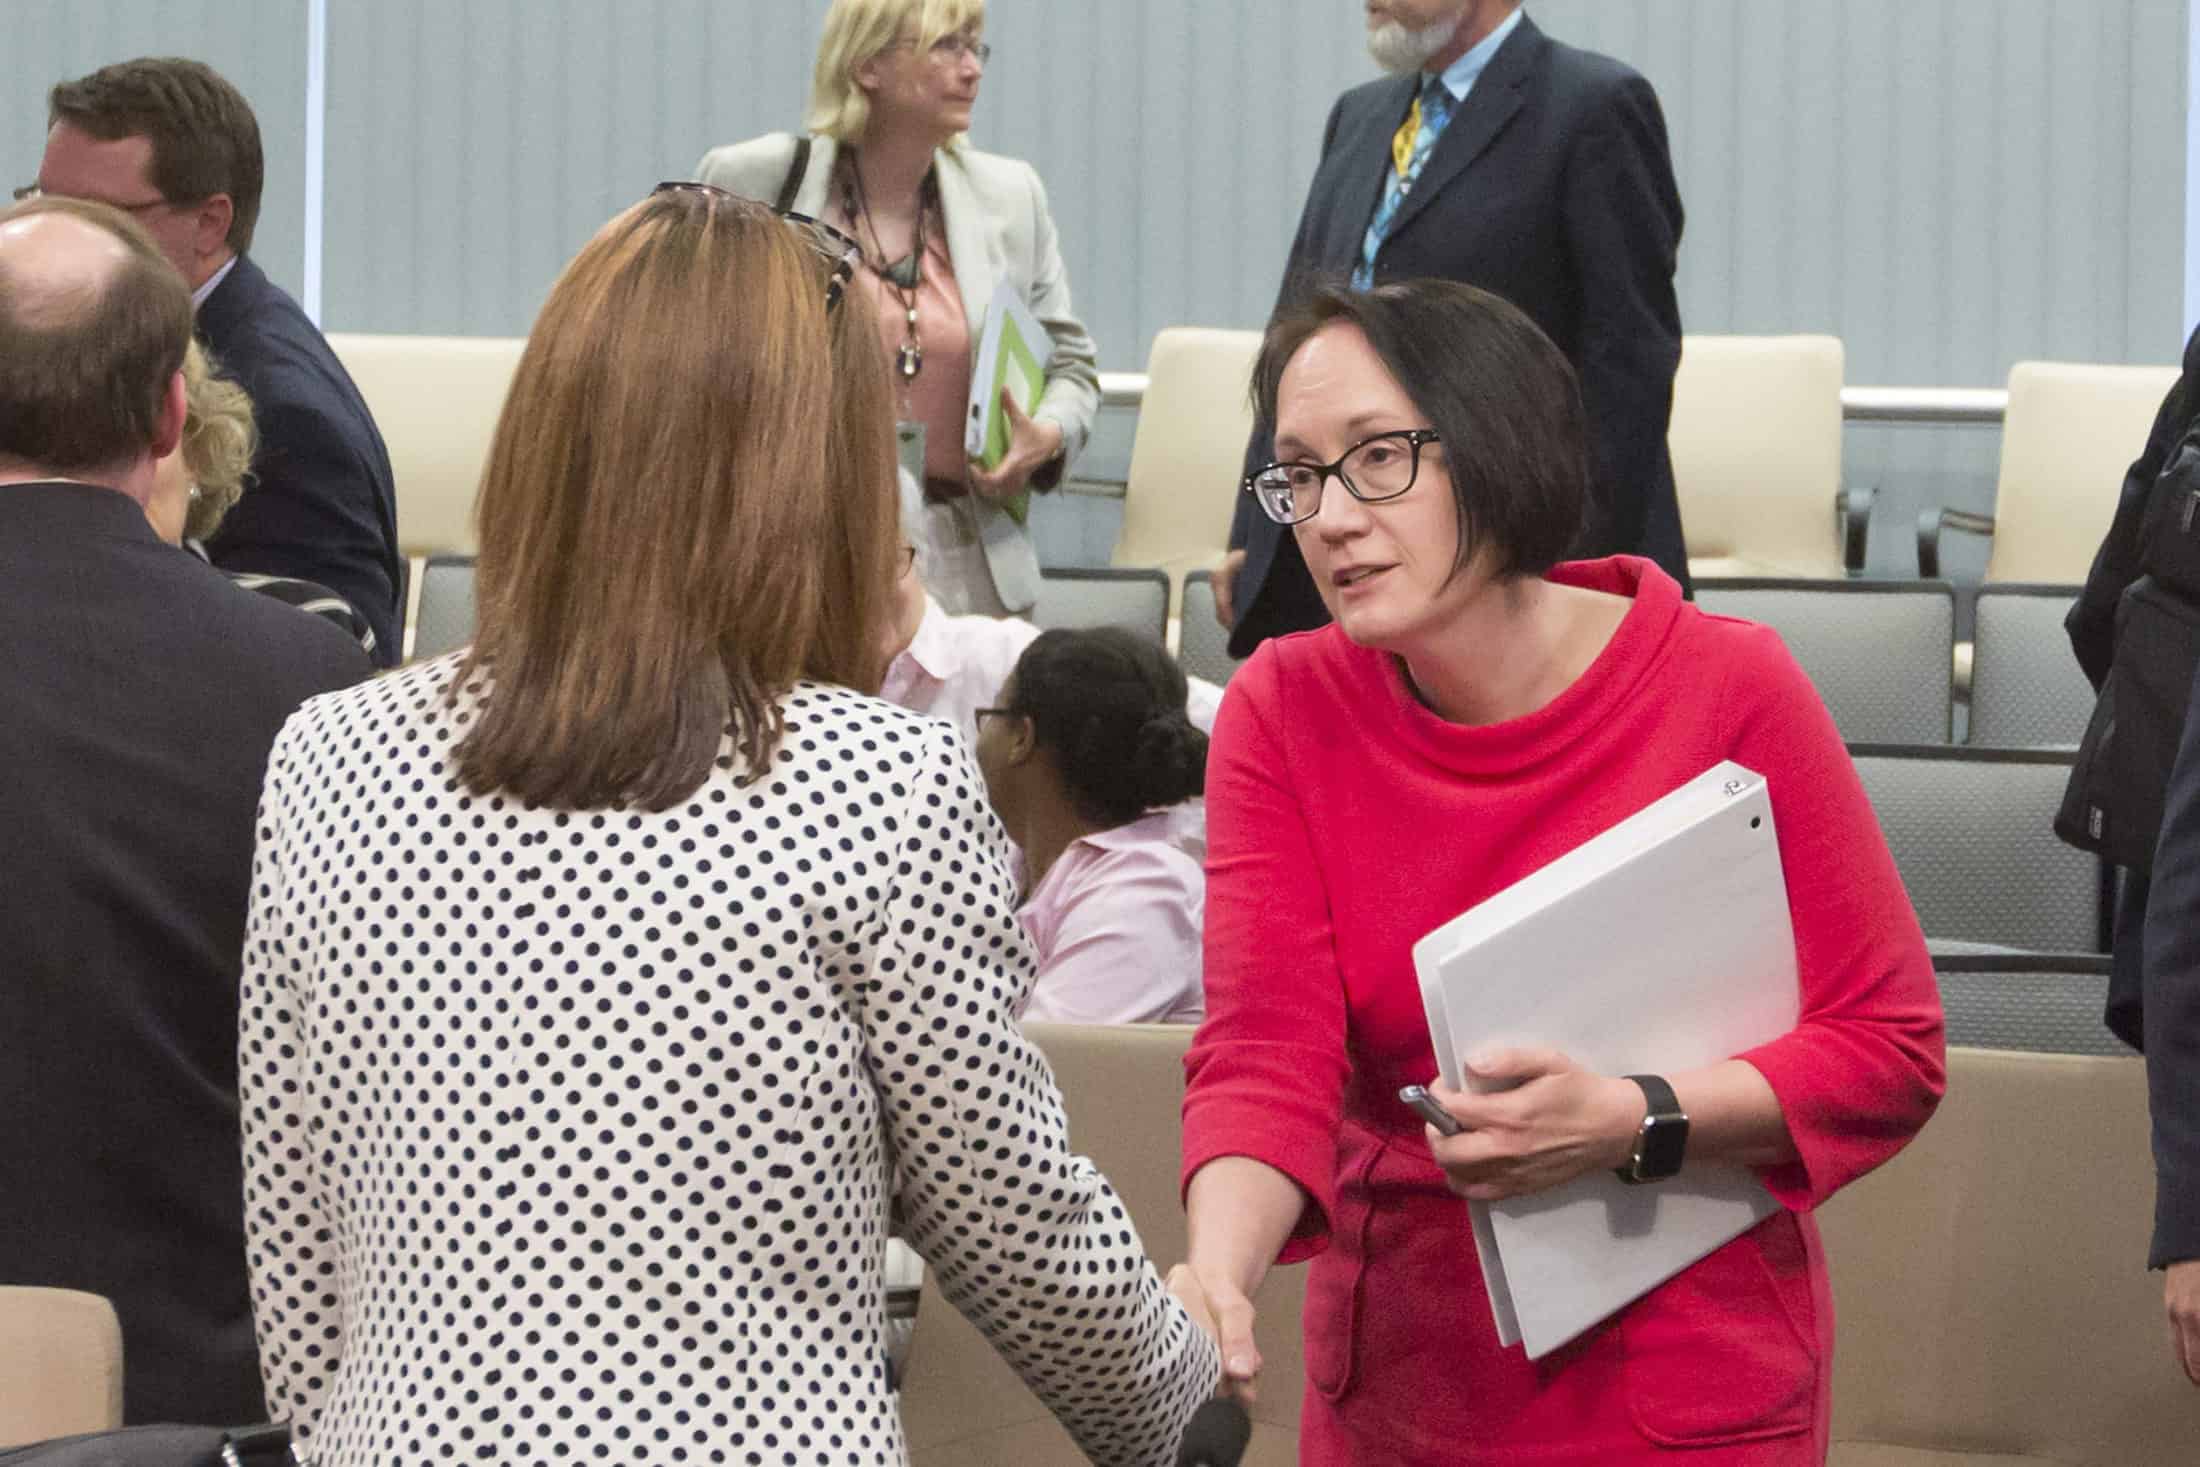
point(593, 971)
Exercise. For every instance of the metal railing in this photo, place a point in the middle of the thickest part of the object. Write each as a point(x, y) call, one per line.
point(1900, 405)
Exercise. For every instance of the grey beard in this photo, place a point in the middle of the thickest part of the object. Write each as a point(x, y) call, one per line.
point(1398, 48)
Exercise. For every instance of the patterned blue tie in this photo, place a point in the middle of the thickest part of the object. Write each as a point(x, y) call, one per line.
point(1431, 110)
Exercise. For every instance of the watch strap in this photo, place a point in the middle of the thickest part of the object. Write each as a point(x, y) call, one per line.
point(1657, 1091)
point(1662, 1110)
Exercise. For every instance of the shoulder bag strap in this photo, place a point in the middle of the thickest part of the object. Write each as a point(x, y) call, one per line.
point(795, 171)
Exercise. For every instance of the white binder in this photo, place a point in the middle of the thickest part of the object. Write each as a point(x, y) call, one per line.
point(1663, 944)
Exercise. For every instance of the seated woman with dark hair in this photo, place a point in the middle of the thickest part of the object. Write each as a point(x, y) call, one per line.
point(1089, 748)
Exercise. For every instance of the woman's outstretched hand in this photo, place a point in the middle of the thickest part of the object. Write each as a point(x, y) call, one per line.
point(1555, 1122)
point(1221, 1308)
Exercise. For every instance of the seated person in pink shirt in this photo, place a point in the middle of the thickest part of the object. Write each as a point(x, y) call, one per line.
point(949, 666)
point(1088, 747)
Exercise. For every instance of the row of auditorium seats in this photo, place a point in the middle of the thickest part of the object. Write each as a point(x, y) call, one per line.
point(1882, 654)
point(1970, 827)
point(1756, 443)
point(1988, 1283)
point(1992, 1308)
point(442, 612)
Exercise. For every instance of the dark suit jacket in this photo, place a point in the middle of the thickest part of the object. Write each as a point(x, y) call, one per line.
point(139, 694)
point(2170, 1008)
point(321, 505)
point(1553, 187)
point(2154, 983)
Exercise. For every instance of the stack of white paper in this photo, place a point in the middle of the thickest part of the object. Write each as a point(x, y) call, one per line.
point(1662, 945)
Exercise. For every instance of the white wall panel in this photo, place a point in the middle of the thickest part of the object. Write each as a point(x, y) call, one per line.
point(260, 45)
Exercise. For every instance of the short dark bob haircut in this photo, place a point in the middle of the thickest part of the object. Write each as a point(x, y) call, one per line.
point(1486, 378)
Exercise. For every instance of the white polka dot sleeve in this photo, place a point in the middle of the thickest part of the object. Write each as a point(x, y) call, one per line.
point(296, 1306)
point(1028, 1240)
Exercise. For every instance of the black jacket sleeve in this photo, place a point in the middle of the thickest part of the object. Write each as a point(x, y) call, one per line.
point(1623, 227)
point(2092, 621)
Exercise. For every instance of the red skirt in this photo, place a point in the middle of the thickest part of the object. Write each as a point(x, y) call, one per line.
point(1727, 1363)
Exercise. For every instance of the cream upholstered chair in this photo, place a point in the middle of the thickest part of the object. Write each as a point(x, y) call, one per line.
point(60, 1364)
point(1189, 453)
point(2071, 431)
point(1756, 444)
point(436, 400)
point(961, 1406)
point(1993, 1304)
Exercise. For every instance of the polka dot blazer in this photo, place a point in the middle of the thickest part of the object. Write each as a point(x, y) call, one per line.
point(564, 1130)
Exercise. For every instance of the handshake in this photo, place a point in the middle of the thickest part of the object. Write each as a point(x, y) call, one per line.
point(1219, 1430)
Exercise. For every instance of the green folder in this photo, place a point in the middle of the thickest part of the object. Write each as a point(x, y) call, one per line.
point(1012, 352)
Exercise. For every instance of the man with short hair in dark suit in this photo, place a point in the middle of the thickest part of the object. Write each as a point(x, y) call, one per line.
point(175, 146)
point(1497, 156)
point(140, 692)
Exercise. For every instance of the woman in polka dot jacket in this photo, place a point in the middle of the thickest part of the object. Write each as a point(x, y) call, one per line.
point(591, 972)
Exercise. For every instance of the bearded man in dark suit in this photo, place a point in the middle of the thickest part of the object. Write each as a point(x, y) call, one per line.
point(1497, 156)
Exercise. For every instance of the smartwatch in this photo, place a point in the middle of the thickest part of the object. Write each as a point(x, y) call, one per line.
point(1663, 1139)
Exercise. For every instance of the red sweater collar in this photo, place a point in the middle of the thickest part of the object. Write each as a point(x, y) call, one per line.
point(1503, 748)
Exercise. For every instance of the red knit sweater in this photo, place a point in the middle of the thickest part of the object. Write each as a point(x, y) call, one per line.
point(1344, 821)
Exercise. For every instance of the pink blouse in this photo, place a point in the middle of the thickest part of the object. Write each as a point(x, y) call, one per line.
point(1117, 922)
point(940, 393)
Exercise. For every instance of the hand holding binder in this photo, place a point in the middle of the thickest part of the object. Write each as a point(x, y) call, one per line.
point(1540, 1121)
point(1663, 944)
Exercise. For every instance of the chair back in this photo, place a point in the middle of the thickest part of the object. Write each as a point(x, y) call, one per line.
point(1203, 644)
point(1123, 1087)
point(2026, 686)
point(1972, 832)
point(436, 400)
point(1190, 450)
point(1989, 1284)
point(1756, 445)
point(2050, 1003)
point(1135, 598)
point(2071, 431)
point(1877, 651)
point(444, 619)
point(60, 1364)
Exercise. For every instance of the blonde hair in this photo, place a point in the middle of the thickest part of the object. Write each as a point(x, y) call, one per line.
point(219, 439)
point(687, 507)
point(858, 30)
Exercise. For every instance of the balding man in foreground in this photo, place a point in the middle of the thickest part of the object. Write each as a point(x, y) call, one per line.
point(139, 694)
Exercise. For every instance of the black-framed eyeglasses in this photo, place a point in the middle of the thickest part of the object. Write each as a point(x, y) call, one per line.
point(844, 252)
point(1378, 467)
point(908, 561)
point(978, 716)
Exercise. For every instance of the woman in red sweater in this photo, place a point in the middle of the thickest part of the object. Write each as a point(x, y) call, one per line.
point(1475, 711)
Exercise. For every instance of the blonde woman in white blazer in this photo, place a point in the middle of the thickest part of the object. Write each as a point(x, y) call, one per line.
point(941, 225)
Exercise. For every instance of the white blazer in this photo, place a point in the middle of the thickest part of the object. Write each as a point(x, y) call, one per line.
point(998, 228)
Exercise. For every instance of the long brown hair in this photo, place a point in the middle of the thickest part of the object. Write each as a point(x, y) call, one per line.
point(687, 507)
